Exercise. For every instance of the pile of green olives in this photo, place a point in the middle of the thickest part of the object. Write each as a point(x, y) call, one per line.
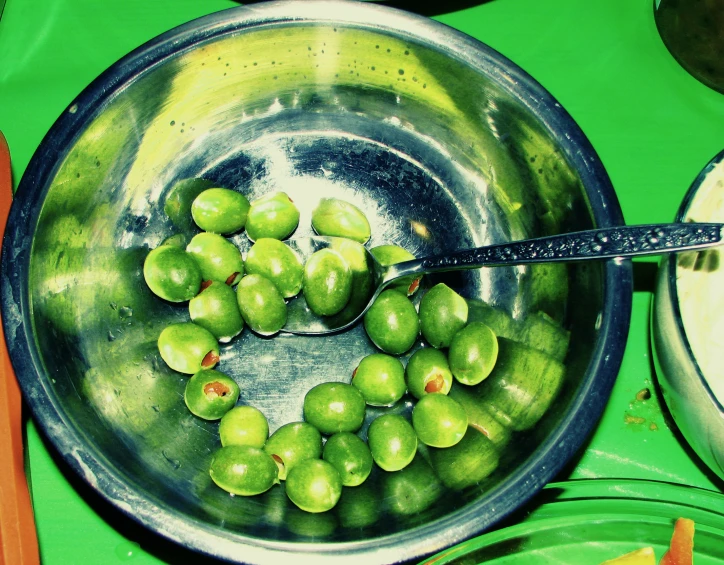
point(452, 425)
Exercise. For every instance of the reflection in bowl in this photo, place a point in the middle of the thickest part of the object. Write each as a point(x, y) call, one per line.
point(441, 141)
point(688, 326)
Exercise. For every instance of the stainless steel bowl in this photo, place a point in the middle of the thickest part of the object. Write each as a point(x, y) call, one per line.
point(441, 140)
point(687, 308)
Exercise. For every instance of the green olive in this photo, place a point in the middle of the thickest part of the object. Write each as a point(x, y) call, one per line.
point(388, 255)
point(473, 353)
point(261, 304)
point(336, 217)
point(172, 274)
point(293, 443)
point(273, 215)
point(210, 394)
point(219, 259)
point(381, 379)
point(392, 322)
point(243, 470)
point(244, 425)
point(443, 312)
point(188, 348)
point(439, 421)
point(350, 456)
point(392, 441)
point(216, 309)
point(274, 260)
point(428, 372)
point(327, 282)
point(220, 210)
point(357, 258)
point(314, 485)
point(334, 407)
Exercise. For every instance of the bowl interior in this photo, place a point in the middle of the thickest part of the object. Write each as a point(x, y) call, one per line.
point(439, 140)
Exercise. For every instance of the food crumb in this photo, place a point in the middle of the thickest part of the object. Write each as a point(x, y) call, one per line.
point(643, 394)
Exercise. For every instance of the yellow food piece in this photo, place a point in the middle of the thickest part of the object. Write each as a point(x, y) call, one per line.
point(643, 556)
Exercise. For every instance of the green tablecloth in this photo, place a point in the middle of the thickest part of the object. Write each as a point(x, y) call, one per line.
point(653, 125)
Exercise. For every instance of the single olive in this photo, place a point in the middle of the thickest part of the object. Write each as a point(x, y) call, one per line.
point(172, 274)
point(274, 260)
point(392, 322)
point(273, 215)
point(220, 210)
point(243, 470)
point(412, 490)
point(388, 255)
point(210, 394)
point(216, 309)
point(350, 456)
point(473, 353)
point(244, 425)
point(314, 485)
point(261, 304)
point(357, 258)
point(428, 372)
point(188, 348)
point(334, 407)
point(392, 441)
point(467, 462)
point(381, 379)
point(219, 259)
point(439, 421)
point(336, 217)
point(443, 313)
point(327, 282)
point(292, 443)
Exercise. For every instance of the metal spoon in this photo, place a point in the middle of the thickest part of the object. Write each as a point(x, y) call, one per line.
point(604, 243)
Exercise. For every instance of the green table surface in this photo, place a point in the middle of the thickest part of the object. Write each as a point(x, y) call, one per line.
point(653, 125)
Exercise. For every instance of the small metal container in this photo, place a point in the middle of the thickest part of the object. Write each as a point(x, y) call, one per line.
point(441, 141)
point(688, 308)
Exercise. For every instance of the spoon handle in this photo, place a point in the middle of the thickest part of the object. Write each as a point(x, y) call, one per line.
point(603, 243)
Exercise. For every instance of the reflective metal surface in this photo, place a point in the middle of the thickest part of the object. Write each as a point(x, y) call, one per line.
point(690, 392)
point(442, 142)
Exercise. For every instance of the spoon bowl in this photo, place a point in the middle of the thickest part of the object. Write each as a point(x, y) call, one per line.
point(605, 243)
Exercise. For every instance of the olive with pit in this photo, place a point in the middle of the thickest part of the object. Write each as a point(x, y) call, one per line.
point(216, 309)
point(392, 322)
point(388, 255)
point(392, 441)
point(439, 421)
point(443, 313)
point(428, 372)
point(314, 485)
point(172, 274)
point(210, 394)
point(350, 456)
point(327, 282)
point(243, 470)
point(244, 425)
point(335, 217)
point(473, 353)
point(188, 348)
point(293, 443)
point(261, 304)
point(334, 407)
point(220, 210)
point(273, 215)
point(218, 258)
point(274, 260)
point(381, 379)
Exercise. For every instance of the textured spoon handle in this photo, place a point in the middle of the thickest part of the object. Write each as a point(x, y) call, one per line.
point(604, 243)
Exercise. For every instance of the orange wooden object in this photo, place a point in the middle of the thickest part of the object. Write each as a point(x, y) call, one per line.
point(18, 538)
point(681, 549)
